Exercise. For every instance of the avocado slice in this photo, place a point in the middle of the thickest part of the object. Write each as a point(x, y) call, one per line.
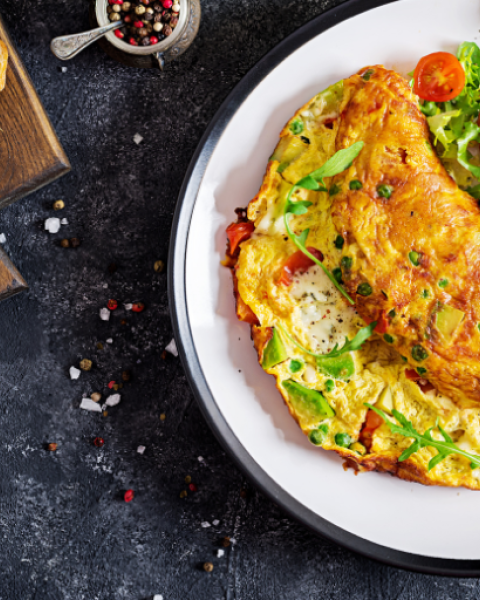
point(385, 400)
point(447, 321)
point(340, 367)
point(274, 351)
point(309, 405)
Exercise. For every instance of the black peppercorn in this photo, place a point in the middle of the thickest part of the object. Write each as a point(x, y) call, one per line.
point(65, 244)
point(157, 18)
point(147, 17)
point(173, 21)
point(166, 17)
point(126, 375)
point(145, 42)
point(167, 30)
point(112, 267)
point(75, 242)
point(142, 32)
point(157, 7)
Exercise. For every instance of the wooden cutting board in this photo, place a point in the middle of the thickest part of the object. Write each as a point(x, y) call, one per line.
point(30, 153)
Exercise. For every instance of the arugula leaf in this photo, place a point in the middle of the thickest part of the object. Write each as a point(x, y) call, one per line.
point(425, 440)
point(340, 161)
point(350, 345)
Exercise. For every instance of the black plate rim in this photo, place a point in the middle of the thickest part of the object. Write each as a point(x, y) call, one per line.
point(183, 334)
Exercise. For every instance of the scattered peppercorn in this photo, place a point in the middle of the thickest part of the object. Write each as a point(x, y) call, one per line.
point(159, 266)
point(243, 493)
point(65, 243)
point(112, 267)
point(85, 364)
point(188, 479)
point(98, 442)
point(138, 307)
point(74, 242)
point(99, 345)
point(126, 375)
point(58, 205)
point(225, 542)
point(96, 396)
point(183, 494)
point(129, 495)
point(192, 487)
point(105, 413)
point(112, 304)
point(163, 416)
point(52, 447)
point(208, 567)
point(111, 384)
point(123, 322)
point(164, 355)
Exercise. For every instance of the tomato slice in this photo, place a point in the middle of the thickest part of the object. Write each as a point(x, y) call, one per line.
point(438, 77)
point(372, 422)
point(422, 383)
point(382, 323)
point(239, 232)
point(298, 263)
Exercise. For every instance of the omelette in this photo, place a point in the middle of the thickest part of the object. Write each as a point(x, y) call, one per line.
point(362, 289)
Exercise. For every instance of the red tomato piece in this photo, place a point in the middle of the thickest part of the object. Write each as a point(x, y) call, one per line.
point(438, 77)
point(237, 233)
point(382, 323)
point(422, 383)
point(298, 263)
point(372, 422)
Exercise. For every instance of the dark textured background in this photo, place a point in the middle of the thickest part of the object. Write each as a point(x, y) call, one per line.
point(66, 533)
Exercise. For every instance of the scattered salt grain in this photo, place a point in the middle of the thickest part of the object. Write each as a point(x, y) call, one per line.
point(3, 238)
point(172, 348)
point(128, 306)
point(205, 524)
point(109, 341)
point(201, 459)
point(104, 314)
point(137, 138)
point(64, 221)
point(64, 69)
point(88, 404)
point(216, 522)
point(52, 225)
point(74, 373)
point(105, 286)
point(220, 553)
point(113, 400)
point(141, 449)
point(158, 597)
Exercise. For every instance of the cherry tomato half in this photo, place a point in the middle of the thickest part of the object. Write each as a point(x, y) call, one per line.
point(298, 262)
point(239, 232)
point(438, 77)
point(372, 422)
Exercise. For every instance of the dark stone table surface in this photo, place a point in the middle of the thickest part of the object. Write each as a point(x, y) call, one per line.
point(66, 532)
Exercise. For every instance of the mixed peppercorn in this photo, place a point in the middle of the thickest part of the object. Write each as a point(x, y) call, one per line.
point(146, 22)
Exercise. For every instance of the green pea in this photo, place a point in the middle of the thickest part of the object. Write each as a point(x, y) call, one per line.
point(421, 370)
point(392, 314)
point(404, 358)
point(478, 326)
point(443, 283)
point(414, 258)
point(355, 184)
point(425, 294)
point(295, 366)
point(343, 440)
point(339, 241)
point(366, 76)
point(388, 338)
point(346, 262)
point(296, 127)
point(317, 436)
point(333, 191)
point(364, 289)
point(337, 273)
point(419, 353)
point(329, 385)
point(385, 191)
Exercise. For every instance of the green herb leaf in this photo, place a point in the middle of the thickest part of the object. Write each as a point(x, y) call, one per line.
point(300, 207)
point(425, 440)
point(338, 163)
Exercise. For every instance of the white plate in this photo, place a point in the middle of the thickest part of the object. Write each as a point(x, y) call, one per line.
point(376, 514)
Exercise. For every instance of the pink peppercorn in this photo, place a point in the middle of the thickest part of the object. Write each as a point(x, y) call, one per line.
point(138, 24)
point(167, 3)
point(129, 495)
point(192, 487)
point(119, 34)
point(153, 39)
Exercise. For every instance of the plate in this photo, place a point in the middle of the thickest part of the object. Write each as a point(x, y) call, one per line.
point(429, 529)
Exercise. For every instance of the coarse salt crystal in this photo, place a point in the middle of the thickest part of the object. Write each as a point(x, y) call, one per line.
point(64, 221)
point(52, 225)
point(109, 341)
point(200, 459)
point(113, 400)
point(172, 348)
point(205, 524)
point(105, 286)
point(64, 69)
point(141, 449)
point(220, 553)
point(128, 306)
point(158, 597)
point(74, 373)
point(89, 404)
point(104, 314)
point(3, 238)
point(216, 522)
point(137, 138)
